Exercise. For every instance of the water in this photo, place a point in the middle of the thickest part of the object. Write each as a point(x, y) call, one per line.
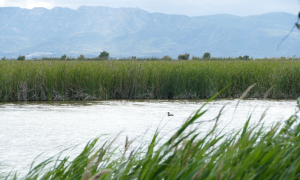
point(28, 129)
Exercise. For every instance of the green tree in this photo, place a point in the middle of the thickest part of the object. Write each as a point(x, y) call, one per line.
point(104, 55)
point(196, 58)
point(184, 56)
point(206, 55)
point(4, 58)
point(166, 58)
point(81, 57)
point(21, 58)
point(240, 58)
point(63, 57)
point(246, 57)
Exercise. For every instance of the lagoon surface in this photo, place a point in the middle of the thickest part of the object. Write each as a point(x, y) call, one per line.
point(31, 128)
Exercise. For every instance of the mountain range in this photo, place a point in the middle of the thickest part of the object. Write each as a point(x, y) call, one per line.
point(125, 32)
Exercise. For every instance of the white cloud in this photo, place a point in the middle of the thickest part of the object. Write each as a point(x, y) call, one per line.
point(35, 3)
point(187, 7)
point(29, 4)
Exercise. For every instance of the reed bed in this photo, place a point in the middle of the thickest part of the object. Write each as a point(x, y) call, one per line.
point(167, 58)
point(98, 80)
point(253, 152)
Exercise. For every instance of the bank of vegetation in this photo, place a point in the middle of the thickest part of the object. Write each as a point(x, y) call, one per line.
point(253, 152)
point(104, 55)
point(91, 80)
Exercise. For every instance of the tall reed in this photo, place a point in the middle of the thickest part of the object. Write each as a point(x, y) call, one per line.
point(95, 80)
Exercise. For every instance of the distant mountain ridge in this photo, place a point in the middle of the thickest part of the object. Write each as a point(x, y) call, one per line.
point(135, 32)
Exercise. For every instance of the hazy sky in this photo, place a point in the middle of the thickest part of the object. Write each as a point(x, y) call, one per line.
point(186, 7)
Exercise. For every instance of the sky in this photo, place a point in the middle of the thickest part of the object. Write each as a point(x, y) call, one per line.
point(184, 7)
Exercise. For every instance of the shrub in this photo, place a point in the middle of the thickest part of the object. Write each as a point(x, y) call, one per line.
point(246, 57)
point(240, 58)
point(4, 58)
point(273, 58)
point(196, 58)
point(167, 58)
point(81, 57)
point(283, 58)
point(104, 55)
point(184, 56)
point(206, 55)
point(63, 57)
point(265, 58)
point(21, 58)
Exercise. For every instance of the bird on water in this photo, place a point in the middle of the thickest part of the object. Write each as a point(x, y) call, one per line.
point(170, 114)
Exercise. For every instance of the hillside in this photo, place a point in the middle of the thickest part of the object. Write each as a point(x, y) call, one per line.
point(132, 31)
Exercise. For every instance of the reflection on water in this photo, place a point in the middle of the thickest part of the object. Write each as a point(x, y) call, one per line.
point(28, 129)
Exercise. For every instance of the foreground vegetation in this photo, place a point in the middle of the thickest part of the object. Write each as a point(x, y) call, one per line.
point(95, 80)
point(250, 153)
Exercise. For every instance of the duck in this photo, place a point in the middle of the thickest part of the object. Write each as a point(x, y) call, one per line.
point(170, 114)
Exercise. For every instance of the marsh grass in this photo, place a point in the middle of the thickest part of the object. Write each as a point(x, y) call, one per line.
point(253, 152)
point(245, 58)
point(99, 80)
